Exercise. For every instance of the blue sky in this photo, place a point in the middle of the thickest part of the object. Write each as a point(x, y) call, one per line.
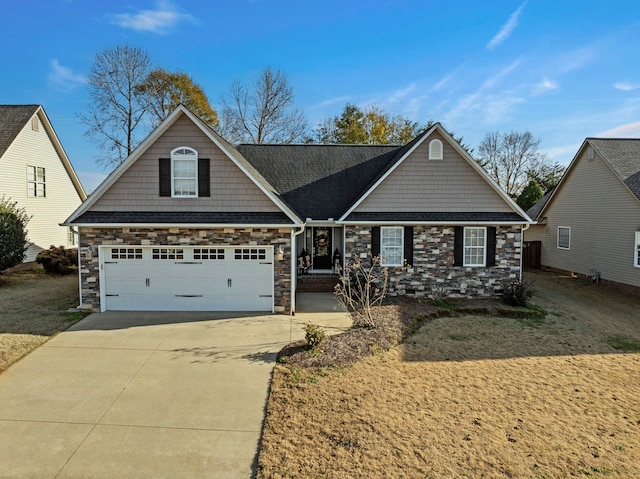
point(563, 69)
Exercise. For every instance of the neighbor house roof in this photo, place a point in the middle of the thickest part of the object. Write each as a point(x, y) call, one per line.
point(12, 120)
point(536, 209)
point(623, 157)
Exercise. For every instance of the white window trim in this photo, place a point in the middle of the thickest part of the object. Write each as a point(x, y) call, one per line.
point(464, 246)
point(636, 248)
point(33, 184)
point(567, 248)
point(382, 248)
point(175, 156)
point(437, 155)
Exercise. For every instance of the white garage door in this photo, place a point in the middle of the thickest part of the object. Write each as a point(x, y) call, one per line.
point(186, 278)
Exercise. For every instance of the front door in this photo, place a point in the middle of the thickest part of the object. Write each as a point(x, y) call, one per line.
point(321, 248)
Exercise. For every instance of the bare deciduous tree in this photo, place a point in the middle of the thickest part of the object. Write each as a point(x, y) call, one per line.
point(262, 113)
point(509, 158)
point(116, 111)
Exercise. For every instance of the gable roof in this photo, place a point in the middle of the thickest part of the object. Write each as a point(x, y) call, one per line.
point(13, 119)
point(403, 153)
point(621, 155)
point(289, 217)
point(308, 181)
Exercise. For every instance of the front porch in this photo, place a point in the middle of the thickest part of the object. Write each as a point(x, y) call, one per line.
point(317, 281)
point(319, 253)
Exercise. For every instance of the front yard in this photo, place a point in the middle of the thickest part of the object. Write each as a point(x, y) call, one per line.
point(474, 396)
point(33, 308)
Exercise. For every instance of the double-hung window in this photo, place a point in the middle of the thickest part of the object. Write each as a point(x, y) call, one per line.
point(564, 237)
point(636, 260)
point(36, 185)
point(184, 173)
point(475, 246)
point(391, 243)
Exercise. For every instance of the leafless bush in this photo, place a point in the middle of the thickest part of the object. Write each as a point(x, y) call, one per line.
point(361, 288)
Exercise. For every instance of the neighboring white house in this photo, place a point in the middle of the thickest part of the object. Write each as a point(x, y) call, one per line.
point(36, 173)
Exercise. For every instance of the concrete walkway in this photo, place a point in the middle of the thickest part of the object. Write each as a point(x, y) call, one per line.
point(148, 395)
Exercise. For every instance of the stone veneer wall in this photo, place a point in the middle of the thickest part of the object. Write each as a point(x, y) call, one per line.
point(91, 238)
point(433, 262)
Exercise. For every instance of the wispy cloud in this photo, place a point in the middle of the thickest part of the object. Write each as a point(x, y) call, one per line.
point(507, 29)
point(401, 93)
point(63, 78)
point(488, 102)
point(628, 130)
point(159, 21)
point(544, 86)
point(625, 86)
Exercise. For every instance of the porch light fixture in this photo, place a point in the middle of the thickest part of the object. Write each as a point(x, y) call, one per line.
point(280, 253)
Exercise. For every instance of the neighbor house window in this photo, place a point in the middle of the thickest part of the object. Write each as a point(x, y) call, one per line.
point(36, 182)
point(391, 241)
point(184, 173)
point(435, 150)
point(636, 261)
point(564, 237)
point(475, 246)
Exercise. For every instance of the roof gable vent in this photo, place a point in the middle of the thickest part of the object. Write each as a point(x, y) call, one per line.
point(590, 154)
point(435, 150)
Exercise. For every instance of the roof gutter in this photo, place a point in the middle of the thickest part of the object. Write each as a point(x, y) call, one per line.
point(179, 225)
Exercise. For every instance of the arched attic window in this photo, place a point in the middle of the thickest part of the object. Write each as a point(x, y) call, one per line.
point(184, 172)
point(435, 150)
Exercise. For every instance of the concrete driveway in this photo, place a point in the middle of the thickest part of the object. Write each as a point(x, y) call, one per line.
point(148, 395)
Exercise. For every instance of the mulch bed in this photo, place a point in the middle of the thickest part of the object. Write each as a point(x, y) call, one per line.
point(397, 319)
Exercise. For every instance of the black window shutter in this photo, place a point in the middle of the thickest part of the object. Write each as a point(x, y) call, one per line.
point(164, 169)
point(408, 245)
point(204, 177)
point(375, 241)
point(491, 246)
point(458, 246)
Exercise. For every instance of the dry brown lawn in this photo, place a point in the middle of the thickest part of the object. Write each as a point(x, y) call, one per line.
point(33, 307)
point(474, 397)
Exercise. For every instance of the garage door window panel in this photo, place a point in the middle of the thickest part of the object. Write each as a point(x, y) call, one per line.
point(167, 253)
point(250, 253)
point(126, 253)
point(208, 253)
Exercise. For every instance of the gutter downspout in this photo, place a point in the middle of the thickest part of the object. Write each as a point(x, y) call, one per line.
point(525, 227)
point(294, 270)
point(77, 233)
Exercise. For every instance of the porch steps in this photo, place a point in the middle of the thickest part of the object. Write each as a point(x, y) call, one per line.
point(317, 282)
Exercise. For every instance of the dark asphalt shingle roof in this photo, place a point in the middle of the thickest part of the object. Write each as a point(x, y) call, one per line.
point(535, 210)
point(439, 216)
point(178, 218)
point(623, 156)
point(320, 181)
point(12, 120)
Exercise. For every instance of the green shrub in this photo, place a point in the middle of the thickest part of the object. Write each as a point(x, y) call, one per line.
point(58, 260)
point(313, 335)
point(13, 233)
point(517, 293)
